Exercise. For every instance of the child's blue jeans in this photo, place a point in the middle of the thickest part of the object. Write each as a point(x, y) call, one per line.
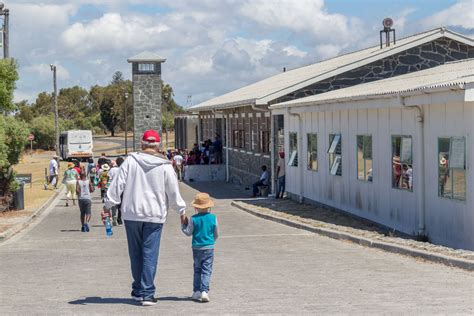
point(203, 259)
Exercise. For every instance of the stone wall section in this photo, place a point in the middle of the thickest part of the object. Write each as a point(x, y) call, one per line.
point(417, 58)
point(146, 105)
point(245, 168)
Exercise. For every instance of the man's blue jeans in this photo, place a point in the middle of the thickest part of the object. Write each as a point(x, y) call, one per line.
point(203, 260)
point(143, 248)
point(281, 186)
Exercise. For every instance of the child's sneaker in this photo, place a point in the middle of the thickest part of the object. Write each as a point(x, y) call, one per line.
point(196, 296)
point(86, 227)
point(83, 228)
point(204, 297)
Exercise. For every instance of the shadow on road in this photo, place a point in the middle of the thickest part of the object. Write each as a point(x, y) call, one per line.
point(174, 298)
point(103, 300)
point(69, 230)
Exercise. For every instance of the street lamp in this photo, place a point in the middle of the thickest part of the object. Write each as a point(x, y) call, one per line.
point(56, 115)
point(165, 97)
point(6, 14)
point(126, 121)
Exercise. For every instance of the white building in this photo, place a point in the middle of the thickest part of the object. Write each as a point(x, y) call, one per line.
point(397, 151)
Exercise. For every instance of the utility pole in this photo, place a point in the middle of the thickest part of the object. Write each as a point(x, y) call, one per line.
point(56, 115)
point(6, 18)
point(126, 122)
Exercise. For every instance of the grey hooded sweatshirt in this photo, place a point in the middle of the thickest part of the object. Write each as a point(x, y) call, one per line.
point(149, 186)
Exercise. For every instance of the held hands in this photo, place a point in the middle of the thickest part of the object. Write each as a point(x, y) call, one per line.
point(184, 220)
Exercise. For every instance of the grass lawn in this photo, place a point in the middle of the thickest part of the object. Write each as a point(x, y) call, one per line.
point(35, 195)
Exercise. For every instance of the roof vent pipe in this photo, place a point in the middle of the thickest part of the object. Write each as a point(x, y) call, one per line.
point(387, 29)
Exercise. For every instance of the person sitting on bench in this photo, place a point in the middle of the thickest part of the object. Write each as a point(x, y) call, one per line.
point(262, 182)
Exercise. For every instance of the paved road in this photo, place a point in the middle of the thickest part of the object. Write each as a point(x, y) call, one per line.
point(261, 267)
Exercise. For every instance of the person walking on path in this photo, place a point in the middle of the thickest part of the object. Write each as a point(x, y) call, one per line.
point(204, 229)
point(281, 175)
point(150, 187)
point(113, 172)
point(84, 188)
point(53, 173)
point(69, 179)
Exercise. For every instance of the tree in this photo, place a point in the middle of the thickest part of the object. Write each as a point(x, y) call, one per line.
point(117, 78)
point(107, 114)
point(8, 78)
point(12, 132)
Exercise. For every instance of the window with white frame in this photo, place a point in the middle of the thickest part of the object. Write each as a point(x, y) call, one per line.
point(402, 162)
point(452, 167)
point(146, 67)
point(335, 154)
point(364, 158)
point(312, 152)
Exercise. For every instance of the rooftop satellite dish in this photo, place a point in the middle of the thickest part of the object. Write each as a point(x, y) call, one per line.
point(387, 23)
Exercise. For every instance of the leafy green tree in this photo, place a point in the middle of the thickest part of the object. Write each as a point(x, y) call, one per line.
point(25, 111)
point(8, 78)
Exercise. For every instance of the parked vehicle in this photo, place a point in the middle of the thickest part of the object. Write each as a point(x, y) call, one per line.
point(76, 144)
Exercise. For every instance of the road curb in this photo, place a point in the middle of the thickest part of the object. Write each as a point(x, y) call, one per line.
point(394, 248)
point(24, 224)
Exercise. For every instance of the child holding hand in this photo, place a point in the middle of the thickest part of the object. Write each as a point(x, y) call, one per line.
point(203, 227)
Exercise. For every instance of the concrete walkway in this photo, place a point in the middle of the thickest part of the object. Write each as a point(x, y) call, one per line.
point(260, 267)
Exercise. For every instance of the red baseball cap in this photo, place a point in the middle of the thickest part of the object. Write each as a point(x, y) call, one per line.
point(151, 136)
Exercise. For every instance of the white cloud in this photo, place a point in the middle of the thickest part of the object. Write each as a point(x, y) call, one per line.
point(43, 71)
point(308, 17)
point(112, 32)
point(460, 14)
point(294, 51)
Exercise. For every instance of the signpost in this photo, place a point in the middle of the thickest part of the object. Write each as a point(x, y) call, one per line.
point(31, 138)
point(25, 178)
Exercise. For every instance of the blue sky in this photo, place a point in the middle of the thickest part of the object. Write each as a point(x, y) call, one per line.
point(211, 46)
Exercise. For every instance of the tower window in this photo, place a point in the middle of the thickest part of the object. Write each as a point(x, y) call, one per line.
point(146, 67)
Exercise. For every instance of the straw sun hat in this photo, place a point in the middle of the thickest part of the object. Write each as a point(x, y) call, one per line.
point(70, 165)
point(202, 201)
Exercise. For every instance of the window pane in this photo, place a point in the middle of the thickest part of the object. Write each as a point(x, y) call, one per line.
point(312, 152)
point(364, 157)
point(452, 167)
point(360, 158)
point(459, 184)
point(335, 154)
point(444, 188)
point(402, 167)
point(293, 160)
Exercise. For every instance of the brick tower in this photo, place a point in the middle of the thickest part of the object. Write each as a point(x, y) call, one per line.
point(146, 78)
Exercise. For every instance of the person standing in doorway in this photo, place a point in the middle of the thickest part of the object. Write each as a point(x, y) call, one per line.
point(281, 175)
point(150, 187)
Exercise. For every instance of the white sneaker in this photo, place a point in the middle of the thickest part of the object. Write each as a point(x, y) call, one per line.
point(196, 296)
point(204, 297)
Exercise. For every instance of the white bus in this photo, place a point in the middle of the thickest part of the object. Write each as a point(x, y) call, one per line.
point(76, 144)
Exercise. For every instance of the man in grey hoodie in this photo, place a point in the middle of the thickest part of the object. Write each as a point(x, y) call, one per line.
point(150, 187)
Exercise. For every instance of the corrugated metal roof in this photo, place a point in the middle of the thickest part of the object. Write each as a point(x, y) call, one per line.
point(146, 56)
point(271, 88)
point(447, 75)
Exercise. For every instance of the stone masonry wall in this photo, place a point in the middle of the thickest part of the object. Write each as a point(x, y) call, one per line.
point(417, 58)
point(146, 105)
point(245, 168)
